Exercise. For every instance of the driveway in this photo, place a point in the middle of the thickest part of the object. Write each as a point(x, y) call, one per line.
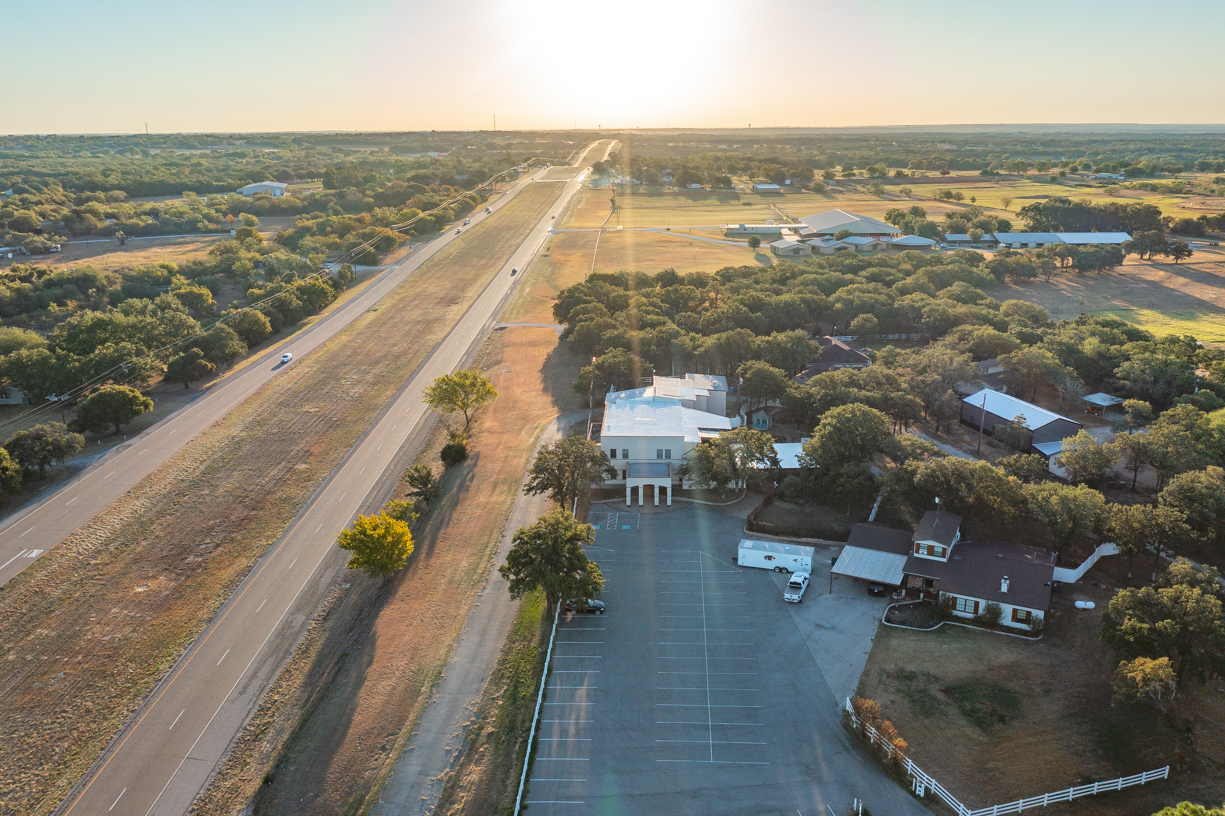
point(698, 691)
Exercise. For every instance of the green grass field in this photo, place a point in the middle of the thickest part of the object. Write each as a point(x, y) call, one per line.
point(1209, 328)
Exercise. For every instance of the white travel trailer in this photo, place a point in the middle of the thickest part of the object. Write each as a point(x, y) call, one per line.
point(774, 555)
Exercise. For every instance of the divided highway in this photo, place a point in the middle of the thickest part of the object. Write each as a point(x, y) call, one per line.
point(32, 532)
point(166, 754)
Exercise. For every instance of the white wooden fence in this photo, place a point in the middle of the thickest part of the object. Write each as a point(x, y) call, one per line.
point(921, 782)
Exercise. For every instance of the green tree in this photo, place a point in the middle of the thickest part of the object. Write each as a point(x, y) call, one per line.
point(36, 372)
point(1135, 450)
point(1181, 622)
point(1189, 809)
point(847, 434)
point(1142, 528)
point(463, 391)
point(10, 474)
point(111, 406)
point(761, 384)
point(1146, 680)
point(44, 445)
point(1200, 496)
point(1137, 413)
point(380, 545)
point(1025, 467)
point(969, 488)
point(1013, 433)
point(615, 368)
point(789, 351)
point(189, 367)
point(251, 325)
point(1069, 512)
point(566, 469)
point(754, 242)
point(732, 458)
point(1180, 250)
point(549, 556)
point(423, 483)
point(1033, 367)
point(221, 345)
point(1087, 461)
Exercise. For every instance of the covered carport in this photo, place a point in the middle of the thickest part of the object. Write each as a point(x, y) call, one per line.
point(873, 566)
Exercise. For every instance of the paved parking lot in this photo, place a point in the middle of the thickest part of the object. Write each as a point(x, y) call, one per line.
point(696, 693)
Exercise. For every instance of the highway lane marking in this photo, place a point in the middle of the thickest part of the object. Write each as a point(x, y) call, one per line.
point(227, 651)
point(320, 527)
point(117, 798)
point(220, 706)
point(73, 499)
point(11, 560)
point(342, 497)
point(291, 563)
point(143, 452)
point(176, 720)
point(23, 535)
point(261, 606)
point(109, 475)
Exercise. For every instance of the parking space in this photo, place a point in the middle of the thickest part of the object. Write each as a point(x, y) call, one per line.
point(696, 692)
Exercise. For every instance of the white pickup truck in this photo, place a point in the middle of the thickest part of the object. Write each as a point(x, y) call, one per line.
point(794, 593)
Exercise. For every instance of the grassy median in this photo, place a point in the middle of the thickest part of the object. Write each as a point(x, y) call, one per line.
point(88, 629)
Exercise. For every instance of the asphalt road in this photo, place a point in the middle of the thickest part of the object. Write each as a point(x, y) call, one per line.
point(694, 693)
point(165, 755)
point(31, 532)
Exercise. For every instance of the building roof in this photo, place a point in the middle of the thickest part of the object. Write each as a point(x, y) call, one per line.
point(1049, 449)
point(977, 570)
point(871, 565)
point(1083, 238)
point(939, 526)
point(767, 187)
point(647, 470)
point(1009, 407)
point(1027, 237)
point(832, 221)
point(871, 535)
point(280, 184)
point(788, 454)
point(962, 237)
point(711, 382)
point(659, 416)
point(861, 240)
point(1104, 400)
point(912, 240)
point(834, 353)
point(786, 243)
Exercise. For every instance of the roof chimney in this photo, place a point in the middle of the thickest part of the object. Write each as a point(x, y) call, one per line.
point(1004, 584)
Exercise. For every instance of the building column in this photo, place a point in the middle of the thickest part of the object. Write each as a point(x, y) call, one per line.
point(628, 502)
point(657, 495)
point(642, 491)
point(669, 489)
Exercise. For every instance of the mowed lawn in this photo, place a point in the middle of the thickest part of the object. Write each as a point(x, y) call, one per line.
point(633, 251)
point(1165, 298)
point(673, 209)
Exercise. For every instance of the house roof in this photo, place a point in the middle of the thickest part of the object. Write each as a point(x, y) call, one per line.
point(1009, 407)
point(1049, 449)
point(871, 565)
point(786, 243)
point(832, 221)
point(1104, 400)
point(871, 535)
point(659, 416)
point(939, 526)
point(767, 187)
point(788, 453)
point(279, 184)
point(976, 570)
point(962, 237)
point(912, 240)
point(860, 240)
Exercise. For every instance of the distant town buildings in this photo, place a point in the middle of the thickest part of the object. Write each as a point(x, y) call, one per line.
point(276, 189)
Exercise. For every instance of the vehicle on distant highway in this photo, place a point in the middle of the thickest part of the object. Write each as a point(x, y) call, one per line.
point(466, 220)
point(514, 272)
point(586, 605)
point(794, 593)
point(286, 357)
point(457, 230)
point(553, 216)
point(489, 209)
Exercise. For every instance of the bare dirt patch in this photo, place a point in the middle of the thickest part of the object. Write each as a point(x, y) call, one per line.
point(995, 718)
point(81, 647)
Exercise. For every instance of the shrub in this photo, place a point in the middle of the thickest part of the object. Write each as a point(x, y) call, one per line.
point(456, 449)
point(991, 615)
point(423, 482)
point(944, 608)
point(405, 511)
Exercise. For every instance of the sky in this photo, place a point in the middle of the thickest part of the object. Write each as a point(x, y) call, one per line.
point(390, 65)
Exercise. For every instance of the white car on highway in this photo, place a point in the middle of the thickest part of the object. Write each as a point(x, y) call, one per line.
point(286, 357)
point(796, 585)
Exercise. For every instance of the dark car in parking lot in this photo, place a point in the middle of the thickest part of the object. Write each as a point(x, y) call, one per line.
point(876, 589)
point(586, 605)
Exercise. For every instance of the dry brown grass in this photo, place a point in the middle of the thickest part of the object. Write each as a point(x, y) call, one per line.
point(995, 718)
point(384, 647)
point(82, 644)
point(1165, 298)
